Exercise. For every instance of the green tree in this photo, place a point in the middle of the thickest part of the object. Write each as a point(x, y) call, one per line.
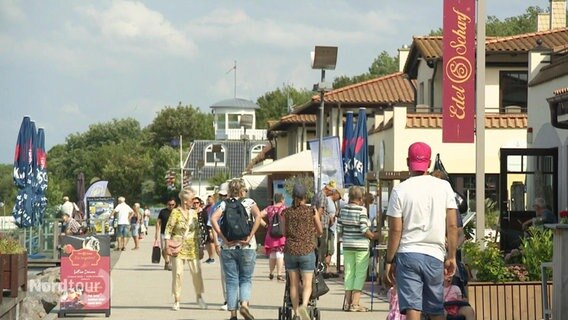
point(275, 104)
point(494, 27)
point(7, 188)
point(382, 65)
point(187, 121)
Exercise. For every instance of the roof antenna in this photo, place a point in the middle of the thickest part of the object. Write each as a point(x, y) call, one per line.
point(234, 68)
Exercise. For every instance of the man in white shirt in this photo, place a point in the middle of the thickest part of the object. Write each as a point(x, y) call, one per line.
point(121, 212)
point(421, 214)
point(67, 207)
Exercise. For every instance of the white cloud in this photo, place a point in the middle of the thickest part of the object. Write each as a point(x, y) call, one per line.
point(11, 11)
point(131, 26)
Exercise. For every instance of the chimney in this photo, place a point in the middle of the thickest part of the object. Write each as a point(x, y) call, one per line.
point(557, 14)
point(402, 57)
point(543, 22)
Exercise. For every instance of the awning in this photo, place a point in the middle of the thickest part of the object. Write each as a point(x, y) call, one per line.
point(299, 162)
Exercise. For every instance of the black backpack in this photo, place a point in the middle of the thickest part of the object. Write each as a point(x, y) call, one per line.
point(236, 223)
point(276, 230)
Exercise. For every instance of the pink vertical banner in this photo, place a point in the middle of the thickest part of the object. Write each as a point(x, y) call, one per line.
point(458, 84)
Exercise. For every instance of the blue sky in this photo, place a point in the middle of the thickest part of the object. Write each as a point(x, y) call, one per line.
point(69, 64)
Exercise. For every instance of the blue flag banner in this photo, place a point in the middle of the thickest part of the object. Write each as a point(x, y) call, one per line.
point(348, 149)
point(360, 160)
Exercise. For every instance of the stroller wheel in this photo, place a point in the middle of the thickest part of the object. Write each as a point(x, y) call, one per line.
point(280, 314)
point(315, 314)
point(288, 314)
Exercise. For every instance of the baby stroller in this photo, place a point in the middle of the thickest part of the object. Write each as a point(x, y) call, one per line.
point(285, 311)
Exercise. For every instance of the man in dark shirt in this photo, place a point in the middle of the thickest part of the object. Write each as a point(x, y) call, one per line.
point(161, 222)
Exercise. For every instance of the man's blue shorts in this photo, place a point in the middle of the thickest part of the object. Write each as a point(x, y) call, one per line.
point(122, 230)
point(420, 283)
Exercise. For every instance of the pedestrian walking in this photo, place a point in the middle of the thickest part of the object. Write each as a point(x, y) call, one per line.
point(274, 241)
point(222, 195)
point(354, 227)
point(122, 213)
point(135, 218)
point(238, 249)
point(161, 222)
point(422, 220)
point(302, 224)
point(183, 225)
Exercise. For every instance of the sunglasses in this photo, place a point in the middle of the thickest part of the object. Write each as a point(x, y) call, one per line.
point(196, 202)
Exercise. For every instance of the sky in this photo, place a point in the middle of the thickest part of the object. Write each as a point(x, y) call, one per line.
point(70, 64)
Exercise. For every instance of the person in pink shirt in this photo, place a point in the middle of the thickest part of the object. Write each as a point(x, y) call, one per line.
point(454, 303)
point(274, 246)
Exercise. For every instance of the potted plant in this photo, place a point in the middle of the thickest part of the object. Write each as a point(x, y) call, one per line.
point(499, 279)
point(13, 265)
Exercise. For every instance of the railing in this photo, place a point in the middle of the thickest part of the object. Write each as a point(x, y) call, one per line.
point(236, 134)
point(426, 109)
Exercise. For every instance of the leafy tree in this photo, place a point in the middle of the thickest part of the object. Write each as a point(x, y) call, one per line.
point(524, 23)
point(382, 65)
point(219, 178)
point(7, 188)
point(275, 104)
point(187, 121)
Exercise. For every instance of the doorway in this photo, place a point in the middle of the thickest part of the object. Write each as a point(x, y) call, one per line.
point(525, 174)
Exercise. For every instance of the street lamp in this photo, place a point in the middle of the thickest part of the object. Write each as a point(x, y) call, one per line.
point(323, 58)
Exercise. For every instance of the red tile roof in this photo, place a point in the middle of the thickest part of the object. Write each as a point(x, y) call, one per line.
point(378, 92)
point(560, 91)
point(430, 47)
point(292, 119)
point(392, 88)
point(434, 121)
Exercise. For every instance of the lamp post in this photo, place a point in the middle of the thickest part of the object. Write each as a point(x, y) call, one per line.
point(174, 143)
point(323, 58)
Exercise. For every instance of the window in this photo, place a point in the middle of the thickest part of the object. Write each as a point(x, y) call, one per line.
point(221, 121)
point(513, 91)
point(215, 158)
point(254, 151)
point(233, 121)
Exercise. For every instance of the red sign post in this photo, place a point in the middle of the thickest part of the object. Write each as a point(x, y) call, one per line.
point(458, 84)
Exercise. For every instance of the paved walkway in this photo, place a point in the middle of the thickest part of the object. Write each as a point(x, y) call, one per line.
point(142, 290)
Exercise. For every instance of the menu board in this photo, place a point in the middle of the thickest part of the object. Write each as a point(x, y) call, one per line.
point(85, 274)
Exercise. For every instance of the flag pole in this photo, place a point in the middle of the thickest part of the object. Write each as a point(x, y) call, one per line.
point(480, 124)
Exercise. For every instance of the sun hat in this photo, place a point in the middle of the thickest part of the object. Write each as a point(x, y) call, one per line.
point(224, 188)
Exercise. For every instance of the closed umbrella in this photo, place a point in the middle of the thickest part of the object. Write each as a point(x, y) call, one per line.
point(360, 161)
point(24, 174)
point(40, 201)
point(348, 149)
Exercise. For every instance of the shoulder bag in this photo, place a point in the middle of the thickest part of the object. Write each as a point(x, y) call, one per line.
point(173, 246)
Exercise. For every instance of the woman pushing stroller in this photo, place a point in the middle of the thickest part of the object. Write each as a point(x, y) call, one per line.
point(301, 222)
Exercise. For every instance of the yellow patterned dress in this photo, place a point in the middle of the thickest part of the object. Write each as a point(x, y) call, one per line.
point(176, 228)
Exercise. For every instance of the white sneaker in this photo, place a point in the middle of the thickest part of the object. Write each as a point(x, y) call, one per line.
point(175, 307)
point(201, 303)
point(224, 307)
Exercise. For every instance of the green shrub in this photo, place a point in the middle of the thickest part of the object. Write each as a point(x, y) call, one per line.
point(536, 248)
point(488, 263)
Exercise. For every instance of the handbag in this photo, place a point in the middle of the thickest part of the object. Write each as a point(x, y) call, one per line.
point(156, 252)
point(173, 247)
point(319, 287)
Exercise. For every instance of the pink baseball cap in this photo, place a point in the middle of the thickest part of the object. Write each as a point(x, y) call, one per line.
point(419, 154)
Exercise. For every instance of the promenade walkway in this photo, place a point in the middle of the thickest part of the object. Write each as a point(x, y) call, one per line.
point(142, 290)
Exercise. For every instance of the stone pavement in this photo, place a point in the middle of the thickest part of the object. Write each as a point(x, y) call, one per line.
point(142, 290)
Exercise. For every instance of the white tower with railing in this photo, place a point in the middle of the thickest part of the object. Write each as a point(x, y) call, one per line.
point(235, 118)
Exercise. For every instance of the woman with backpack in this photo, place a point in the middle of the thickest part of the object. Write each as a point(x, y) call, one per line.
point(274, 240)
point(240, 221)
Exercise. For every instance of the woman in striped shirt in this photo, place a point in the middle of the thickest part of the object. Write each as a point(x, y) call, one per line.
point(353, 225)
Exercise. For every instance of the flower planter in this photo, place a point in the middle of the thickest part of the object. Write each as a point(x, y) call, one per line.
point(508, 300)
point(13, 273)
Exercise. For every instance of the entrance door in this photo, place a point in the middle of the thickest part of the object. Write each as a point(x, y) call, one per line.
point(525, 174)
